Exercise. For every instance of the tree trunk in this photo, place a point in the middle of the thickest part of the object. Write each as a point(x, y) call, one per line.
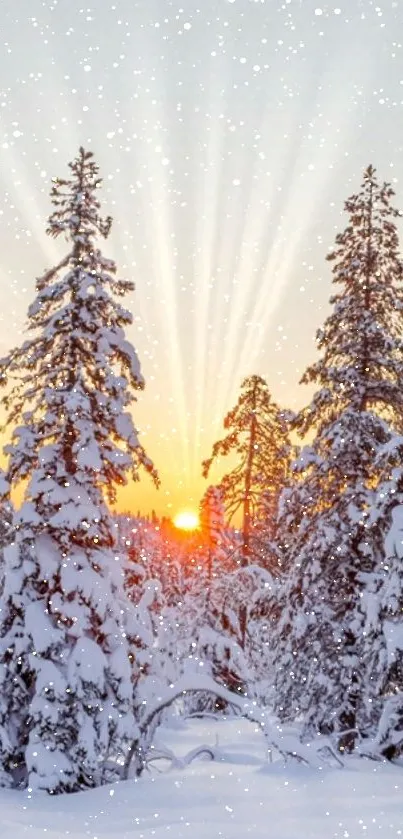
point(348, 718)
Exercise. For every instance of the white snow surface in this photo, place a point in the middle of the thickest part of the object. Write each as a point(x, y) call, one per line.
point(394, 537)
point(393, 632)
point(237, 795)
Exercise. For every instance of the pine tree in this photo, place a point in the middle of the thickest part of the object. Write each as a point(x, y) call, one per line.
point(258, 436)
point(65, 678)
point(383, 607)
point(329, 541)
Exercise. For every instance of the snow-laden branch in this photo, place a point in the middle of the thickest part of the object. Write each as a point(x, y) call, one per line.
point(276, 739)
point(45, 278)
point(181, 762)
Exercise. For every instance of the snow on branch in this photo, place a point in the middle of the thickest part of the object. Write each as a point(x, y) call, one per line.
point(288, 745)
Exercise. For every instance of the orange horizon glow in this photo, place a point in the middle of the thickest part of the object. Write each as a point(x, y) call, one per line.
point(186, 520)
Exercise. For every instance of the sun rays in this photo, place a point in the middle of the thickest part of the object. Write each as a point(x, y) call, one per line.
point(225, 133)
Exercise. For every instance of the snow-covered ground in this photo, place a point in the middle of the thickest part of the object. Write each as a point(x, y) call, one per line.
point(237, 796)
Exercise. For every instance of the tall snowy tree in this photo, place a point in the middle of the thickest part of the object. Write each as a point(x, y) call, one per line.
point(65, 676)
point(382, 660)
point(329, 538)
point(258, 437)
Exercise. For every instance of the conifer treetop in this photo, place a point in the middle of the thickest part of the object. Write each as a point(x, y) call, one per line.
point(257, 434)
point(76, 205)
point(360, 342)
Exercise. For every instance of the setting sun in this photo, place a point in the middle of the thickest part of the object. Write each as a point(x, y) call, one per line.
point(186, 520)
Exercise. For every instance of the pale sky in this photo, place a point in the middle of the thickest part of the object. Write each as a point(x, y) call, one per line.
point(228, 134)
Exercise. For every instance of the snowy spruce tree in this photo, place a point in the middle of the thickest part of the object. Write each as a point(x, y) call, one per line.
point(383, 608)
point(258, 437)
point(65, 676)
point(330, 539)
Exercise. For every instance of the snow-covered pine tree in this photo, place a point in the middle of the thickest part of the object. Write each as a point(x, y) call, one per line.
point(258, 436)
point(382, 660)
point(65, 677)
point(330, 543)
point(383, 607)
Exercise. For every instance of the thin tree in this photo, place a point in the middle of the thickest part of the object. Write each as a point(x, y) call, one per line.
point(65, 677)
point(258, 437)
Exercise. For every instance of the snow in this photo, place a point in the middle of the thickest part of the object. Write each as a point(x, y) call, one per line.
point(394, 537)
point(40, 627)
point(393, 632)
point(90, 660)
point(235, 796)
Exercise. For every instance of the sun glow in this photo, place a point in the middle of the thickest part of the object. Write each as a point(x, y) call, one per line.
point(221, 224)
point(186, 520)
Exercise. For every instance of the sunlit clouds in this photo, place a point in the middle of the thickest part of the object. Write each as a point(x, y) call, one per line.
point(228, 135)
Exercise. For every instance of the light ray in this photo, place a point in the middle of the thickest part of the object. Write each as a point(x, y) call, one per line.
point(262, 226)
point(296, 230)
point(217, 264)
point(206, 238)
point(163, 260)
point(26, 198)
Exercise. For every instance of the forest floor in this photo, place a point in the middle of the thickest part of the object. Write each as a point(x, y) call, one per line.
point(235, 796)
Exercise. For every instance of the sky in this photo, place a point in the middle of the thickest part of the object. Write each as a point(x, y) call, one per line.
point(228, 133)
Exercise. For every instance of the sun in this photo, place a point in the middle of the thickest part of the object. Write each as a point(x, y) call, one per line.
point(186, 520)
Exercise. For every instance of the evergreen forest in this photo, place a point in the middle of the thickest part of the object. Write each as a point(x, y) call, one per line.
point(284, 607)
